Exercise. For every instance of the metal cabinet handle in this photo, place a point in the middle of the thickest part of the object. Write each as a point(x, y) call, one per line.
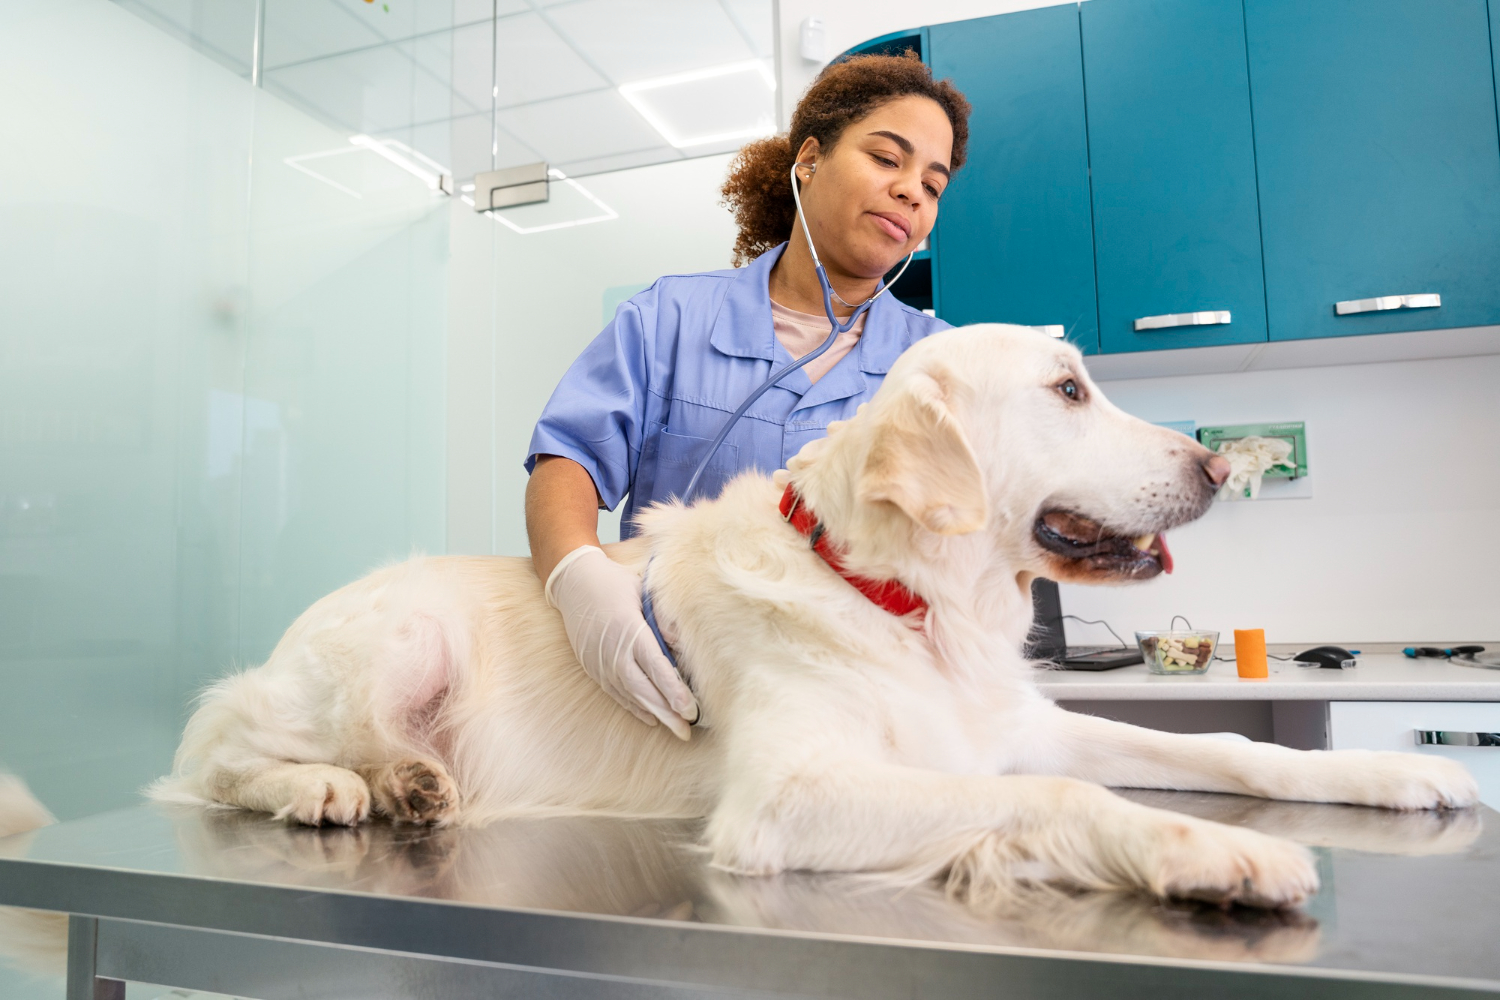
point(1053, 330)
point(1381, 303)
point(1213, 317)
point(1443, 738)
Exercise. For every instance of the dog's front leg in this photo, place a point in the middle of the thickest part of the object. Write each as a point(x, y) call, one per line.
point(1125, 756)
point(989, 834)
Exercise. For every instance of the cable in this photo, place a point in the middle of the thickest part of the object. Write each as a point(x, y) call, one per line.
point(1171, 624)
point(1085, 621)
point(1221, 659)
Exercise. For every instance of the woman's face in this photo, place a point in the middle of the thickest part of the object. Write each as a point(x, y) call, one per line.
point(874, 196)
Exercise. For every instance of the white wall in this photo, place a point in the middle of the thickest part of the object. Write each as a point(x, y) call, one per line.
point(1398, 542)
point(507, 353)
point(849, 22)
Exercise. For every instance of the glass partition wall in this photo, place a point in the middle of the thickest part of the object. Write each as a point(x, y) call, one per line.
point(254, 338)
point(221, 389)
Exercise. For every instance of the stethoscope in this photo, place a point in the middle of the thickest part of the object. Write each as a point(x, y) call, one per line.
point(836, 328)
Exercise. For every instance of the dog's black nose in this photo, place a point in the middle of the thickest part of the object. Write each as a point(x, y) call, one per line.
point(1216, 468)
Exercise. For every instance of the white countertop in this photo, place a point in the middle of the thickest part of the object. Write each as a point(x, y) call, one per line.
point(1378, 677)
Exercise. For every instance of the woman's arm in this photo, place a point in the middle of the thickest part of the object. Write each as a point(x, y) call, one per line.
point(600, 600)
point(562, 511)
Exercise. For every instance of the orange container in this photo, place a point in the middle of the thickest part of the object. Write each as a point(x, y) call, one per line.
point(1250, 652)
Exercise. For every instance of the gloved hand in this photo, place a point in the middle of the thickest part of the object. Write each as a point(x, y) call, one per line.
point(600, 601)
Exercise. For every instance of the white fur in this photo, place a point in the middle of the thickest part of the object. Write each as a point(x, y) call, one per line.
point(841, 737)
point(34, 942)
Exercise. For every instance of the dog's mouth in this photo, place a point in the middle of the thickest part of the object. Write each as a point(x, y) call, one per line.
point(1085, 550)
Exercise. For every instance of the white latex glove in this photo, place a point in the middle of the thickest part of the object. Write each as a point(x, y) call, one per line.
point(1250, 458)
point(600, 601)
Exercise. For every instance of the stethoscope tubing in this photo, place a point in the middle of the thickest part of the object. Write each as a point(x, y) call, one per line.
point(835, 330)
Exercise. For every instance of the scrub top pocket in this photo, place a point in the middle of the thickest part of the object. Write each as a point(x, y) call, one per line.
point(677, 455)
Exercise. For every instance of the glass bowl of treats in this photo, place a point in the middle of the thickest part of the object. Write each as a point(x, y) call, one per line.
point(1178, 651)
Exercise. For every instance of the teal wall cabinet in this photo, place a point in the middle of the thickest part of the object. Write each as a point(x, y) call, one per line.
point(1379, 163)
point(1014, 241)
point(1172, 149)
point(1495, 50)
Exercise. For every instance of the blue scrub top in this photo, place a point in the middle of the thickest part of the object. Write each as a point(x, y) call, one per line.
point(642, 403)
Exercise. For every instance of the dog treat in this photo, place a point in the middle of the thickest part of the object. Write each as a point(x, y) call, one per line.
point(1175, 654)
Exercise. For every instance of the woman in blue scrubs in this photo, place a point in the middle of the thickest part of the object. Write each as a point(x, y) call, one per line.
point(875, 141)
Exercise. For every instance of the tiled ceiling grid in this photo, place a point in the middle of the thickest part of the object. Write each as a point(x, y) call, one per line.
point(421, 71)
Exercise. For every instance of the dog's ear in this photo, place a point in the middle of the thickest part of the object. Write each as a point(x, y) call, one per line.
point(921, 461)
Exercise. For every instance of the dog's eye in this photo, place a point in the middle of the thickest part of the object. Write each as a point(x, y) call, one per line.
point(1070, 389)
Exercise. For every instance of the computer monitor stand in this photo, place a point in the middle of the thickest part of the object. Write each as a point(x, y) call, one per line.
point(1048, 640)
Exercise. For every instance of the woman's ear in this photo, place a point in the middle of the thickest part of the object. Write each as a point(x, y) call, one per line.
point(807, 158)
point(921, 461)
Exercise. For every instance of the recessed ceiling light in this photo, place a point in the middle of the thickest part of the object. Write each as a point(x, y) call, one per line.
point(733, 101)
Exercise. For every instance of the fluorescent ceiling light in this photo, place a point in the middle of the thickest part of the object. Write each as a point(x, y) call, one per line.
point(425, 169)
point(717, 104)
point(604, 214)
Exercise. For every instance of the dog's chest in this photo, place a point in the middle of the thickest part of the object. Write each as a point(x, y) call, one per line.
point(935, 723)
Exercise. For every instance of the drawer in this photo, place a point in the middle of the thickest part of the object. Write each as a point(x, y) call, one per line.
point(1393, 725)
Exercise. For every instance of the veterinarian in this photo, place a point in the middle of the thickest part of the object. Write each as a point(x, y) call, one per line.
point(875, 140)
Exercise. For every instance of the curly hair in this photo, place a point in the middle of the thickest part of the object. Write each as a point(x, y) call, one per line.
point(757, 190)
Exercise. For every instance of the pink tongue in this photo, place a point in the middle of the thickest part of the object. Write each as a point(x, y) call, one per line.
point(1166, 553)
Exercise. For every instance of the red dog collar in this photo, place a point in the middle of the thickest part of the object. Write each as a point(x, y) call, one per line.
point(891, 595)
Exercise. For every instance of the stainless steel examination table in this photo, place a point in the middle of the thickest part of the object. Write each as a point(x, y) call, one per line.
point(236, 903)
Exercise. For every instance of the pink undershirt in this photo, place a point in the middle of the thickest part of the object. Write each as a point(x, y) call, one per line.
point(801, 332)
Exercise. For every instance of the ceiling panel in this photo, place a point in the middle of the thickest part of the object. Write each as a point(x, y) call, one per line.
point(618, 161)
point(224, 30)
point(699, 109)
point(472, 52)
point(299, 30)
point(580, 127)
point(434, 58)
point(375, 90)
point(468, 145)
point(400, 19)
point(633, 40)
point(754, 19)
point(536, 64)
point(468, 11)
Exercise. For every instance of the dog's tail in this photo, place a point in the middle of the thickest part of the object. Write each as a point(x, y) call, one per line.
point(32, 942)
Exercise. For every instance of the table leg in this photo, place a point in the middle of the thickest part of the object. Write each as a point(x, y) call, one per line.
point(83, 984)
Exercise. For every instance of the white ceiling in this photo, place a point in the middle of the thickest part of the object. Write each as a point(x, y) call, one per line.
point(422, 71)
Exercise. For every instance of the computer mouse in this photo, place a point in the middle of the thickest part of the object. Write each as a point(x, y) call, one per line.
point(1332, 657)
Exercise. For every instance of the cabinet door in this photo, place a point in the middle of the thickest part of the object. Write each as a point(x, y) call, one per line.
point(1495, 49)
point(1014, 241)
point(1393, 725)
point(1172, 150)
point(1379, 163)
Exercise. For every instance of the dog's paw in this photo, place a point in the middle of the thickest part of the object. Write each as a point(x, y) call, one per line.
point(1225, 864)
point(1404, 780)
point(415, 791)
point(322, 793)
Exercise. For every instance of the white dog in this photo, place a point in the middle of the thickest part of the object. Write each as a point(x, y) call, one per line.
point(841, 736)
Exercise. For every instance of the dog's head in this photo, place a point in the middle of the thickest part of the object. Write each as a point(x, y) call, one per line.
point(999, 429)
